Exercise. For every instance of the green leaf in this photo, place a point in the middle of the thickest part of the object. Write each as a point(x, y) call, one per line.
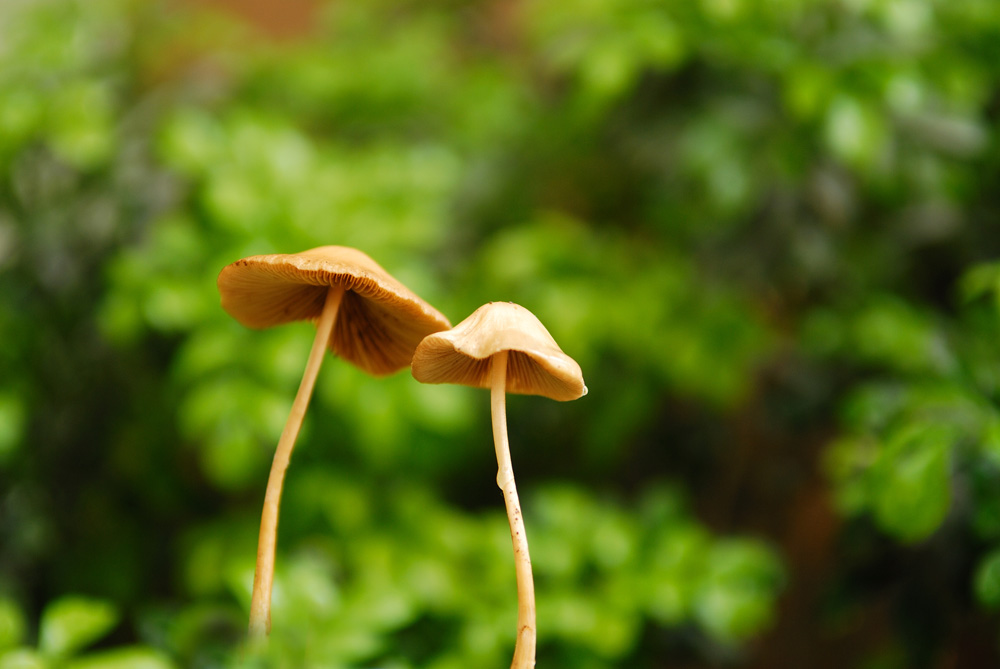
point(855, 132)
point(732, 614)
point(979, 281)
point(22, 658)
point(987, 580)
point(912, 484)
point(891, 332)
point(12, 420)
point(12, 624)
point(73, 622)
point(736, 598)
point(123, 658)
point(82, 123)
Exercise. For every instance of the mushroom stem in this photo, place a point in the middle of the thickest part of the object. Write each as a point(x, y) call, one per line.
point(524, 649)
point(260, 603)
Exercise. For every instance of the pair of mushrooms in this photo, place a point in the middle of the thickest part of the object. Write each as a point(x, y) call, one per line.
point(373, 321)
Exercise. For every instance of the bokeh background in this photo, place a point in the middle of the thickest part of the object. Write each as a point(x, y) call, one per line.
point(767, 231)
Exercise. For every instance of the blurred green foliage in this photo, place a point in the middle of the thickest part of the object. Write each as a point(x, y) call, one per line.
point(753, 224)
point(68, 625)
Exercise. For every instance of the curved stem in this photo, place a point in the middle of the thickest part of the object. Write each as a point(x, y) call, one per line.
point(524, 650)
point(260, 602)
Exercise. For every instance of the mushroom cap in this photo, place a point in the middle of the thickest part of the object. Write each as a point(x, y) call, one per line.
point(380, 321)
point(535, 363)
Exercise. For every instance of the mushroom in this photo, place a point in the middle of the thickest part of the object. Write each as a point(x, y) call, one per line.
point(362, 314)
point(504, 347)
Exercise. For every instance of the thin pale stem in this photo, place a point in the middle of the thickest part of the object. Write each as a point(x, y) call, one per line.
point(260, 603)
point(524, 650)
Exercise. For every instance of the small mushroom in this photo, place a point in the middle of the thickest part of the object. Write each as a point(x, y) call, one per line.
point(362, 314)
point(504, 347)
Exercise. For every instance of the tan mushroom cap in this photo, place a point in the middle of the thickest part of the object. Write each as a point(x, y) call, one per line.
point(535, 363)
point(380, 321)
